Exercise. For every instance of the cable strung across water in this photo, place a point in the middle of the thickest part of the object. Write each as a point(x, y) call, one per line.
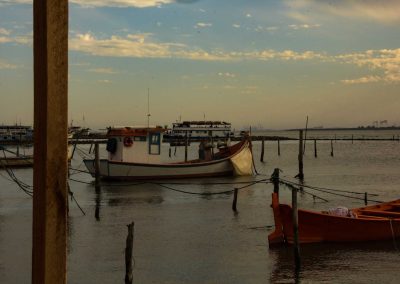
point(326, 191)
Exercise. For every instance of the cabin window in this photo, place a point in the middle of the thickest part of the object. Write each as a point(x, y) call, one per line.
point(139, 138)
point(154, 143)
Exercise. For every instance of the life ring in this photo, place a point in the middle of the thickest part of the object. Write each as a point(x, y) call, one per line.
point(128, 142)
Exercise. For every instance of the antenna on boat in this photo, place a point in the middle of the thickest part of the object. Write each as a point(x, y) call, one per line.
point(148, 108)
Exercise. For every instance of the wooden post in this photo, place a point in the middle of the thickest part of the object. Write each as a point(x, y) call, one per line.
point(331, 148)
point(129, 255)
point(352, 138)
point(315, 148)
point(18, 149)
point(300, 156)
point(49, 230)
point(275, 180)
point(279, 147)
point(169, 152)
point(186, 146)
point(235, 194)
point(97, 209)
point(366, 198)
point(295, 229)
point(262, 149)
point(97, 167)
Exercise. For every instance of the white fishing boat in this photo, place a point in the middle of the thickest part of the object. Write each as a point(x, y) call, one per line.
point(15, 133)
point(135, 153)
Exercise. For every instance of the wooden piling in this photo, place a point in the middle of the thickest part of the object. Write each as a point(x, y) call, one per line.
point(97, 167)
point(366, 198)
point(279, 147)
point(275, 180)
point(315, 148)
point(300, 156)
point(129, 255)
point(331, 148)
point(186, 146)
point(262, 149)
point(169, 152)
point(295, 229)
point(352, 138)
point(50, 170)
point(235, 194)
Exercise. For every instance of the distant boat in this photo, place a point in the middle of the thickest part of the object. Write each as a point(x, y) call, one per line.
point(370, 223)
point(16, 162)
point(134, 153)
point(10, 133)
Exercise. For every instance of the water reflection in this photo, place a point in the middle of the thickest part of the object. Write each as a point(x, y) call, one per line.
point(325, 262)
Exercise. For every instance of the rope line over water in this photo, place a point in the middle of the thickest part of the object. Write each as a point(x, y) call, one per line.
point(286, 182)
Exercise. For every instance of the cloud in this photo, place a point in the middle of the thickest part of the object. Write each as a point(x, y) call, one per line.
point(226, 74)
point(363, 80)
point(387, 11)
point(105, 81)
point(103, 71)
point(108, 3)
point(6, 65)
point(386, 61)
point(203, 25)
point(304, 26)
point(4, 32)
point(138, 46)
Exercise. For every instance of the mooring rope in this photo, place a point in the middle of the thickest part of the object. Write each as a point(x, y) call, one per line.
point(326, 191)
point(393, 234)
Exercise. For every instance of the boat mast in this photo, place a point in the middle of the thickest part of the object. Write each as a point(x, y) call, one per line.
point(148, 108)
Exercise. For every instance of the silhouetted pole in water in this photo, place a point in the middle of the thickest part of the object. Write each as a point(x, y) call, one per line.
point(300, 175)
point(275, 180)
point(295, 229)
point(169, 152)
point(366, 198)
point(262, 149)
point(331, 148)
point(235, 194)
point(352, 138)
point(315, 148)
point(279, 147)
point(186, 146)
point(97, 167)
point(129, 255)
point(73, 151)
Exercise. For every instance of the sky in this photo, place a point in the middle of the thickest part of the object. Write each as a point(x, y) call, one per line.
point(262, 63)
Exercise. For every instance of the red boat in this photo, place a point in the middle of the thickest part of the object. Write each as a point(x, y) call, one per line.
point(370, 223)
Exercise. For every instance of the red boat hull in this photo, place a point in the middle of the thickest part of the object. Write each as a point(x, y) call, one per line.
point(322, 227)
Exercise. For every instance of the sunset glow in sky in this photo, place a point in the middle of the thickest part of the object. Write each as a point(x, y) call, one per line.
point(255, 62)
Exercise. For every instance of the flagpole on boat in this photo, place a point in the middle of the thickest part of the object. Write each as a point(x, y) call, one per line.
point(148, 108)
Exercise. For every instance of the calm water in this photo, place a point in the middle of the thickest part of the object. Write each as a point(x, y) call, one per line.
point(183, 238)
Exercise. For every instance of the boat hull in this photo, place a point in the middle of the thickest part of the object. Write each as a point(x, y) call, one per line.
point(136, 171)
point(16, 162)
point(321, 227)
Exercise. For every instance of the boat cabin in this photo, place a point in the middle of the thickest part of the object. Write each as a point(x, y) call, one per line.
point(134, 144)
